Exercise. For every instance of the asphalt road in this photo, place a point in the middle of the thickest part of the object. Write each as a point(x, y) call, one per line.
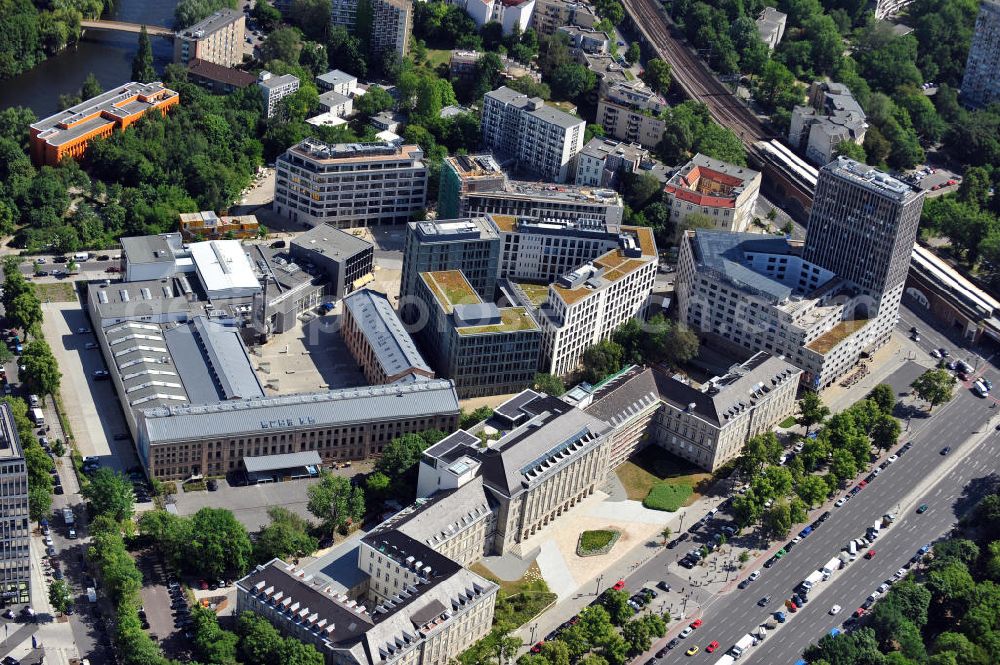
point(920, 476)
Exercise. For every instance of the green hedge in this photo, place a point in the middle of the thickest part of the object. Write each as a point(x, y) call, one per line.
point(667, 496)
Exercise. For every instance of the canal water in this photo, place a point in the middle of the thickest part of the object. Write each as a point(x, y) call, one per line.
point(107, 54)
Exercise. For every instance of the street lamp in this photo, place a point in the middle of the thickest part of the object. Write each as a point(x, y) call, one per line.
point(533, 628)
point(599, 578)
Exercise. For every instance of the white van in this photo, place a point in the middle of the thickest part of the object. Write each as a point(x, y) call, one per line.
point(81, 256)
point(33, 401)
point(37, 417)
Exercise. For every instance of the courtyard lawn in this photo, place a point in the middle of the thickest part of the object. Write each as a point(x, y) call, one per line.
point(652, 466)
point(667, 496)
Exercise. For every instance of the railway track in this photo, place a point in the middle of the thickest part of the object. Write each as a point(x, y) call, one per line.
point(699, 83)
point(693, 76)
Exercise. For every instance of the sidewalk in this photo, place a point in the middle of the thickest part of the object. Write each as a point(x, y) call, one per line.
point(894, 354)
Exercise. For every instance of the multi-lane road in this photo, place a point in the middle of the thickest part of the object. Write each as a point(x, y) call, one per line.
point(922, 475)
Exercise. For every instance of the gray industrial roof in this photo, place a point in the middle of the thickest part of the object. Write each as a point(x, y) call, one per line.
point(331, 242)
point(265, 463)
point(151, 249)
point(139, 299)
point(723, 253)
point(336, 407)
point(179, 363)
point(212, 362)
point(391, 344)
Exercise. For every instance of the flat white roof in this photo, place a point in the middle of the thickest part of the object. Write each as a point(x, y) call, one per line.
point(223, 265)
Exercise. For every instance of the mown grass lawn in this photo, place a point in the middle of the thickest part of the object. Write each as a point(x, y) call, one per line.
point(788, 422)
point(667, 496)
point(652, 466)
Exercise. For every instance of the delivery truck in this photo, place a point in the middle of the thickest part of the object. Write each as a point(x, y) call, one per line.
point(830, 566)
point(811, 581)
point(741, 646)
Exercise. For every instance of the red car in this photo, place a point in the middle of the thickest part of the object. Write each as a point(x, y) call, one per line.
point(619, 585)
point(712, 646)
point(203, 585)
point(537, 648)
point(696, 624)
point(858, 612)
point(863, 483)
point(951, 182)
point(870, 554)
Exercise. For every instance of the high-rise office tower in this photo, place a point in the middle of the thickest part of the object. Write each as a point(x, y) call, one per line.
point(862, 227)
point(981, 82)
point(15, 529)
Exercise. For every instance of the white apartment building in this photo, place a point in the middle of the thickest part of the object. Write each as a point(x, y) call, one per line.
point(509, 13)
point(981, 81)
point(543, 139)
point(550, 15)
point(337, 81)
point(473, 185)
point(726, 193)
point(602, 161)
point(350, 184)
point(757, 293)
point(708, 425)
point(771, 26)
point(391, 26)
point(275, 88)
point(631, 112)
point(218, 38)
point(587, 304)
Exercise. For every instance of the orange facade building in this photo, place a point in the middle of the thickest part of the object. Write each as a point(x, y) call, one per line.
point(67, 133)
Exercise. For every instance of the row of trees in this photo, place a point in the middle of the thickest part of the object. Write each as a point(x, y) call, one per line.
point(780, 496)
point(112, 504)
point(606, 635)
point(38, 462)
point(946, 614)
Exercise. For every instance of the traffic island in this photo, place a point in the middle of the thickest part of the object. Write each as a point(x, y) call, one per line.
point(597, 542)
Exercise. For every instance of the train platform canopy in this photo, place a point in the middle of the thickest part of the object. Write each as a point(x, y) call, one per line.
point(272, 468)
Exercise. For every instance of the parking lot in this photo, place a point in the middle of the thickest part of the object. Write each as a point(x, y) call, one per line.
point(93, 427)
point(250, 503)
